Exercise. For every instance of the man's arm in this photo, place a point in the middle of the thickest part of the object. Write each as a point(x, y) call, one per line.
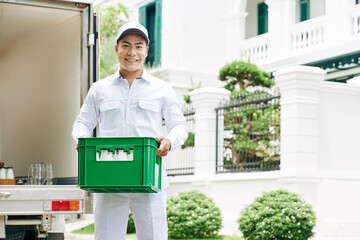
point(175, 124)
point(88, 116)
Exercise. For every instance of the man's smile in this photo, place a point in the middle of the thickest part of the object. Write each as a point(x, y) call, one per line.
point(131, 60)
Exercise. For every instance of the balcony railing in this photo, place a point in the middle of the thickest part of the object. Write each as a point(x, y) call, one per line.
point(255, 49)
point(355, 14)
point(181, 161)
point(308, 33)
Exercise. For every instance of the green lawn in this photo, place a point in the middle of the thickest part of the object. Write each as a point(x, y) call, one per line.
point(90, 230)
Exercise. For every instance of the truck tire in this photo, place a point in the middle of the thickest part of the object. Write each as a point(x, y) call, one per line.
point(56, 236)
point(32, 235)
point(15, 232)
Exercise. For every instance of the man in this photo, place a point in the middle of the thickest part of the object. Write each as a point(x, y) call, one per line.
point(132, 103)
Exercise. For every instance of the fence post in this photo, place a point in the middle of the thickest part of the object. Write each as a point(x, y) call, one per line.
point(299, 88)
point(205, 100)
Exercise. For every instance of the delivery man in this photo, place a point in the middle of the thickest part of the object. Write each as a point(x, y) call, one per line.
point(132, 103)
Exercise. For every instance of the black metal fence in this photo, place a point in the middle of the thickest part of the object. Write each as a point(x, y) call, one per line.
point(181, 161)
point(248, 133)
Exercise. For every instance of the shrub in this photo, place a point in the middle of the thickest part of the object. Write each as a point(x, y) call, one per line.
point(192, 215)
point(130, 225)
point(278, 215)
point(190, 141)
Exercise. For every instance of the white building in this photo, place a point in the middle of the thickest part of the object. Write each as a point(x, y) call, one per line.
point(320, 111)
point(196, 38)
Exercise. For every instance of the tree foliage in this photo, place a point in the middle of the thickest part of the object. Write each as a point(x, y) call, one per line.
point(244, 74)
point(111, 19)
point(252, 123)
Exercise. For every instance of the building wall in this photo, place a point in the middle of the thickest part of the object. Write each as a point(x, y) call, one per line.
point(317, 8)
point(252, 19)
point(339, 120)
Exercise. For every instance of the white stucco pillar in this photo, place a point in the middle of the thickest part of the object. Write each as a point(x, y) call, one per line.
point(281, 16)
point(205, 100)
point(234, 23)
point(235, 28)
point(299, 87)
point(354, 81)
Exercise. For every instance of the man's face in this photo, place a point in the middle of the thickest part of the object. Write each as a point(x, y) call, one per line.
point(131, 51)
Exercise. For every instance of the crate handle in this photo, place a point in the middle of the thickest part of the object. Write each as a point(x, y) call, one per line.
point(119, 154)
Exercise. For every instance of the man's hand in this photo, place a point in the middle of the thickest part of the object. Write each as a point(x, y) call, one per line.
point(77, 146)
point(164, 147)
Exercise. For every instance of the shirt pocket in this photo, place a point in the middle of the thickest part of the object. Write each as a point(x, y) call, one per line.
point(110, 115)
point(147, 113)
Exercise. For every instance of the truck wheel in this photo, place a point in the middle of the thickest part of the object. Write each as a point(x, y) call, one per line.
point(32, 235)
point(56, 236)
point(15, 232)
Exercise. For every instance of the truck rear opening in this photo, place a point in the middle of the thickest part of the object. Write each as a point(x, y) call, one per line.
point(47, 62)
point(40, 77)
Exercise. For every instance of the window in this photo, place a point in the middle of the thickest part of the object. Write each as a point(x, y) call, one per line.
point(357, 1)
point(304, 10)
point(262, 18)
point(150, 17)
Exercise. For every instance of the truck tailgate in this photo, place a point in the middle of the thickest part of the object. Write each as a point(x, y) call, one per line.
point(37, 199)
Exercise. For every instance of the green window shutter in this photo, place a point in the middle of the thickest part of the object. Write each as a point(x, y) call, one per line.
point(262, 18)
point(142, 20)
point(158, 13)
point(142, 16)
point(304, 10)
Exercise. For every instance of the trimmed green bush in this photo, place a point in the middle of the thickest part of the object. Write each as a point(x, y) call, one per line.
point(278, 215)
point(192, 215)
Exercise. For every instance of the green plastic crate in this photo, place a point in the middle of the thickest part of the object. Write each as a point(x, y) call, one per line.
point(138, 172)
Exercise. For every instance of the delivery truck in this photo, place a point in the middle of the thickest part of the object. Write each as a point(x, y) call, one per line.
point(48, 61)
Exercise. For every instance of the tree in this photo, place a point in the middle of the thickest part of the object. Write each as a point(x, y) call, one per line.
point(111, 19)
point(245, 74)
point(251, 119)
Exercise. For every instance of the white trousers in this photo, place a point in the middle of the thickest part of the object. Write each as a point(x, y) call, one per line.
point(112, 212)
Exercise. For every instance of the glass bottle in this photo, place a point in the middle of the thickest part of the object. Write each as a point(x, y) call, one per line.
point(10, 173)
point(2, 173)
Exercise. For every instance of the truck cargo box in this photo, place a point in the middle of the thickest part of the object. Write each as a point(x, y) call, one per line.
point(48, 60)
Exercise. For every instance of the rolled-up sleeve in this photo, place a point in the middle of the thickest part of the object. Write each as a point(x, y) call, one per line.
point(175, 121)
point(87, 119)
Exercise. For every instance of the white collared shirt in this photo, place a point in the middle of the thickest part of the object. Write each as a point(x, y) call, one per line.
point(136, 111)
